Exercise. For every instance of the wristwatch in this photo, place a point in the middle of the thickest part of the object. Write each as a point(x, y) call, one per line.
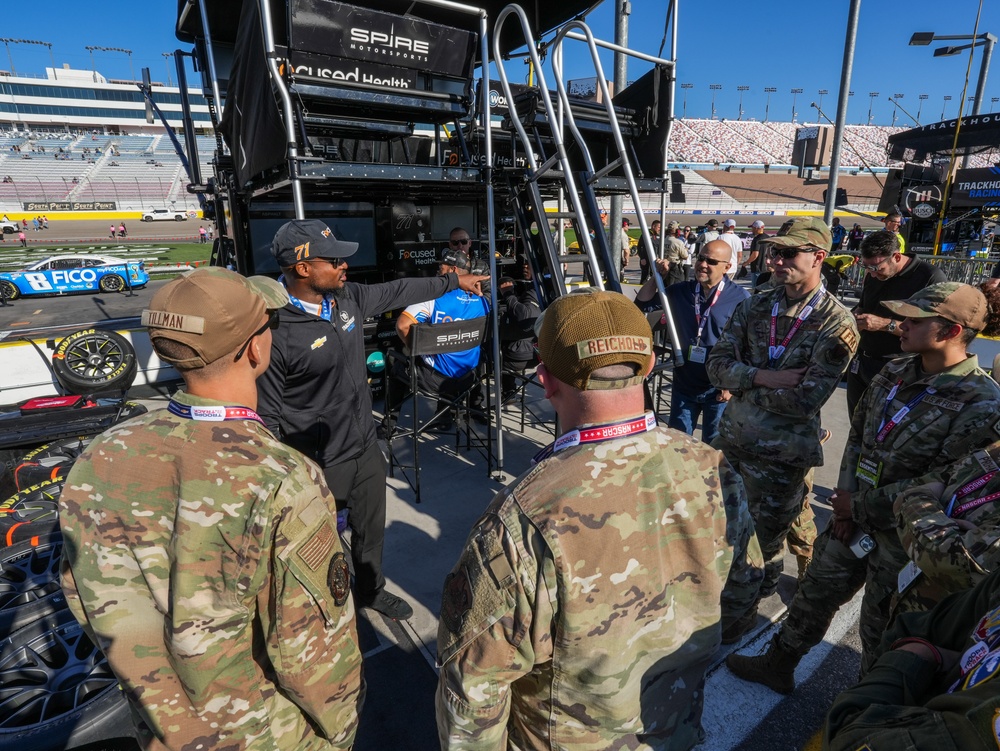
point(891, 328)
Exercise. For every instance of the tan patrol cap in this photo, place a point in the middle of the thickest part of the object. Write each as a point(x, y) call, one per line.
point(956, 302)
point(212, 310)
point(585, 331)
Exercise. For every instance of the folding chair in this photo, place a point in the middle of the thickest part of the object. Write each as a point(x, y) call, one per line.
point(429, 340)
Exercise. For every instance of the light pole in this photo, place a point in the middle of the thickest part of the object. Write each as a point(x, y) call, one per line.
point(741, 89)
point(822, 93)
point(947, 98)
point(984, 40)
point(168, 56)
point(871, 100)
point(91, 48)
point(895, 106)
point(715, 87)
point(795, 93)
point(923, 98)
point(993, 101)
point(686, 87)
point(7, 42)
point(768, 90)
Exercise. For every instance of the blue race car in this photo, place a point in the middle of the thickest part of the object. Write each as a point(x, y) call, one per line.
point(83, 273)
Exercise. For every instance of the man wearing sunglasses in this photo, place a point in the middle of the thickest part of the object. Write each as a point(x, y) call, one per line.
point(782, 355)
point(202, 553)
point(315, 395)
point(889, 275)
point(700, 309)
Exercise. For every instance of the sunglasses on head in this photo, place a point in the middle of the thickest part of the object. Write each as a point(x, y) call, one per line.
point(788, 253)
point(272, 323)
point(711, 261)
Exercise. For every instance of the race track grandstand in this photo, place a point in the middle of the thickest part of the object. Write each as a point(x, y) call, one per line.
point(74, 136)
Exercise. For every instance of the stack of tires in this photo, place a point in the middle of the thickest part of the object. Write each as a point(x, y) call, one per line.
point(56, 688)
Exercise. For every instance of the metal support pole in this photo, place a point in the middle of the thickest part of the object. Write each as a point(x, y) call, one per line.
point(845, 87)
point(622, 10)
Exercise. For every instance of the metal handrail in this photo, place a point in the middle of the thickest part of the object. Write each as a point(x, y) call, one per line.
point(623, 161)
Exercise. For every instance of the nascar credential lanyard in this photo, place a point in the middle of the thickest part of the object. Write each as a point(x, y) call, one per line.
point(884, 427)
point(701, 315)
point(597, 434)
point(775, 352)
point(213, 413)
point(325, 308)
point(968, 489)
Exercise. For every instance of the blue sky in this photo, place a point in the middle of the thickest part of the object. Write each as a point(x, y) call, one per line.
point(783, 44)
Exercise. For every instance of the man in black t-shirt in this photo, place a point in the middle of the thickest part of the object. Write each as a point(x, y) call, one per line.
point(891, 275)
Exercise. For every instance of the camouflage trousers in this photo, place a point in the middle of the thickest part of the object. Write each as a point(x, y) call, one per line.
point(834, 576)
point(802, 535)
point(775, 493)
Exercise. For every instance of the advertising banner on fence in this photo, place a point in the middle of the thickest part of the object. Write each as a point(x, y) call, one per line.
point(69, 206)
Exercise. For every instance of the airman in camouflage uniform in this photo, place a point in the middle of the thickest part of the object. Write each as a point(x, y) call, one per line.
point(202, 554)
point(770, 431)
point(935, 685)
point(588, 600)
point(952, 410)
point(950, 528)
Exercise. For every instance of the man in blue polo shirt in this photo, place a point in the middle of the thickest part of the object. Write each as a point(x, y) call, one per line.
point(700, 309)
point(450, 373)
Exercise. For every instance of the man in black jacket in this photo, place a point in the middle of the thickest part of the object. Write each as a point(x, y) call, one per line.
point(315, 395)
point(891, 275)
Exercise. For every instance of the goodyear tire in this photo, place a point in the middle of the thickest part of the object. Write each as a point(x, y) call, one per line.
point(58, 689)
point(31, 514)
point(49, 461)
point(29, 582)
point(111, 283)
point(91, 361)
point(9, 290)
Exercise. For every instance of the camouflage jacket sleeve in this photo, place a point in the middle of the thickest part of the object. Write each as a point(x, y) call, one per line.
point(828, 361)
point(902, 701)
point(936, 543)
point(726, 364)
point(308, 615)
point(495, 626)
point(953, 554)
point(970, 430)
point(747, 569)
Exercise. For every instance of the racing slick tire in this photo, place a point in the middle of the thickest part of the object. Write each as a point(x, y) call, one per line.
point(31, 513)
point(111, 283)
point(91, 361)
point(9, 290)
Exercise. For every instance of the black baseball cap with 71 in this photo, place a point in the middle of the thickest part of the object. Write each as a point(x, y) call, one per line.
point(305, 239)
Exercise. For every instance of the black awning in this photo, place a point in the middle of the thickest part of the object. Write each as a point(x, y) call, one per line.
point(980, 132)
point(544, 15)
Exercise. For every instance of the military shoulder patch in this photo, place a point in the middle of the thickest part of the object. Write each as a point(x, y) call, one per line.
point(996, 427)
point(339, 579)
point(849, 337)
point(317, 548)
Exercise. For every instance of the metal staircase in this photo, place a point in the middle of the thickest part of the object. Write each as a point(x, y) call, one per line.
point(548, 132)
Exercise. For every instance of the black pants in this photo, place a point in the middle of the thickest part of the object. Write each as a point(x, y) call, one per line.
point(359, 486)
point(857, 382)
point(428, 380)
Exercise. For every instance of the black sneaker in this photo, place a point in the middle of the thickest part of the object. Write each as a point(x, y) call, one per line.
point(391, 606)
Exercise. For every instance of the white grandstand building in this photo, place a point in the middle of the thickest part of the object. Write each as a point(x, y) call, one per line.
point(74, 137)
